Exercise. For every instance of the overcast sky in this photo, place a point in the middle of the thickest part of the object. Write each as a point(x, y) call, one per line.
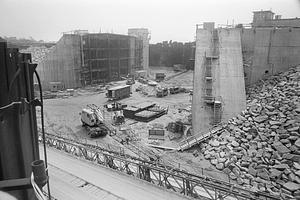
point(166, 19)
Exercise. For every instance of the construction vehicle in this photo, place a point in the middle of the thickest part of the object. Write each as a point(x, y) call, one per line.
point(161, 92)
point(92, 119)
point(152, 83)
point(115, 106)
point(130, 81)
point(160, 77)
point(143, 80)
point(174, 90)
point(118, 117)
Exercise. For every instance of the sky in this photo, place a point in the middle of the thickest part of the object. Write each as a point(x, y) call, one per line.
point(166, 19)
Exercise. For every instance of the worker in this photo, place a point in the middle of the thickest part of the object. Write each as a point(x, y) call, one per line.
point(127, 139)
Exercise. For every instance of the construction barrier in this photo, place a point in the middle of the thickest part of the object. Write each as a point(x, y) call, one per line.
point(196, 186)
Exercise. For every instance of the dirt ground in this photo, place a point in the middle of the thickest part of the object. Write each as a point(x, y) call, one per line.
point(62, 118)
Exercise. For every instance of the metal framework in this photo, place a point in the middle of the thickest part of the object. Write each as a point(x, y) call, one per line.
point(196, 186)
point(106, 57)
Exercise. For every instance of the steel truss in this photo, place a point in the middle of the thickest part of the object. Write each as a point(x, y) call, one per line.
point(199, 187)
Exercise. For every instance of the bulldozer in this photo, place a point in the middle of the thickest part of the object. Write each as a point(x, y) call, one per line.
point(92, 119)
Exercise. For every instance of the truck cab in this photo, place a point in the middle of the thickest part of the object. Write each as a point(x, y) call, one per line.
point(88, 117)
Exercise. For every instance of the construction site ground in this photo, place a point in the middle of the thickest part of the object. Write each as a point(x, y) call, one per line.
point(62, 118)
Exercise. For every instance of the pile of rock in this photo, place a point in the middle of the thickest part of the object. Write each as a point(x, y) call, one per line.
point(38, 53)
point(260, 148)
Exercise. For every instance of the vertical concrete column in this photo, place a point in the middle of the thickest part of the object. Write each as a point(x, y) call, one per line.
point(231, 82)
point(200, 112)
point(132, 54)
point(222, 48)
point(142, 34)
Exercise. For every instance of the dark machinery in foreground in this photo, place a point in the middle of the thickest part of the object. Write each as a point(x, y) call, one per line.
point(22, 173)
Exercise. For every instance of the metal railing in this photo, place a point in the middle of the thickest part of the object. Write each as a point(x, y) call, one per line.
point(196, 186)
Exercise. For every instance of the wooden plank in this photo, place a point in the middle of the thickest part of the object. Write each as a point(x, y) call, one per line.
point(191, 141)
point(161, 147)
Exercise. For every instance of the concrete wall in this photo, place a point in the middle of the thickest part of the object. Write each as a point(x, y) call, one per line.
point(271, 50)
point(294, 22)
point(200, 112)
point(132, 55)
point(247, 40)
point(107, 57)
point(143, 34)
point(230, 84)
point(78, 60)
point(61, 63)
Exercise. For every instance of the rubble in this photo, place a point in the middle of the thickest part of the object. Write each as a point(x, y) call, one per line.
point(260, 148)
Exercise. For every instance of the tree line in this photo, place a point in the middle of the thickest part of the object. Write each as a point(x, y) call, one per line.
point(171, 53)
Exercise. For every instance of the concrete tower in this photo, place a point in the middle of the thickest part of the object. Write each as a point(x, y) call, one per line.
point(219, 87)
point(143, 34)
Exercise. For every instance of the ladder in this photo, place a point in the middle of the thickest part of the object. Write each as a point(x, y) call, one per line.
point(208, 79)
point(209, 97)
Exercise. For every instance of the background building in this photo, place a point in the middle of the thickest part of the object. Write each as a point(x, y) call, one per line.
point(229, 59)
point(270, 46)
point(80, 58)
point(266, 18)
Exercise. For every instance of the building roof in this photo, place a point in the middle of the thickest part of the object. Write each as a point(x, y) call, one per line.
point(119, 87)
point(264, 11)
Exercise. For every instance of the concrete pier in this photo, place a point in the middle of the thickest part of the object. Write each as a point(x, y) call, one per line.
point(219, 87)
point(230, 84)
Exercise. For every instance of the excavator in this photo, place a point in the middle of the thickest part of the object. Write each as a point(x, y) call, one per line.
point(93, 120)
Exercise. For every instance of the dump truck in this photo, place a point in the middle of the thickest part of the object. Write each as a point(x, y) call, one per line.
point(118, 92)
point(92, 119)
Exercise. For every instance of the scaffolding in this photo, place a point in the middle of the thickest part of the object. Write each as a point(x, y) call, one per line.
point(212, 59)
point(108, 57)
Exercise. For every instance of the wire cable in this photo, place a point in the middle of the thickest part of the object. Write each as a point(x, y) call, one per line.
point(43, 129)
point(3, 108)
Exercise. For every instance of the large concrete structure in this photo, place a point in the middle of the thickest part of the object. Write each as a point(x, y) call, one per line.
point(268, 51)
point(270, 46)
point(265, 18)
point(144, 35)
point(81, 58)
point(219, 88)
